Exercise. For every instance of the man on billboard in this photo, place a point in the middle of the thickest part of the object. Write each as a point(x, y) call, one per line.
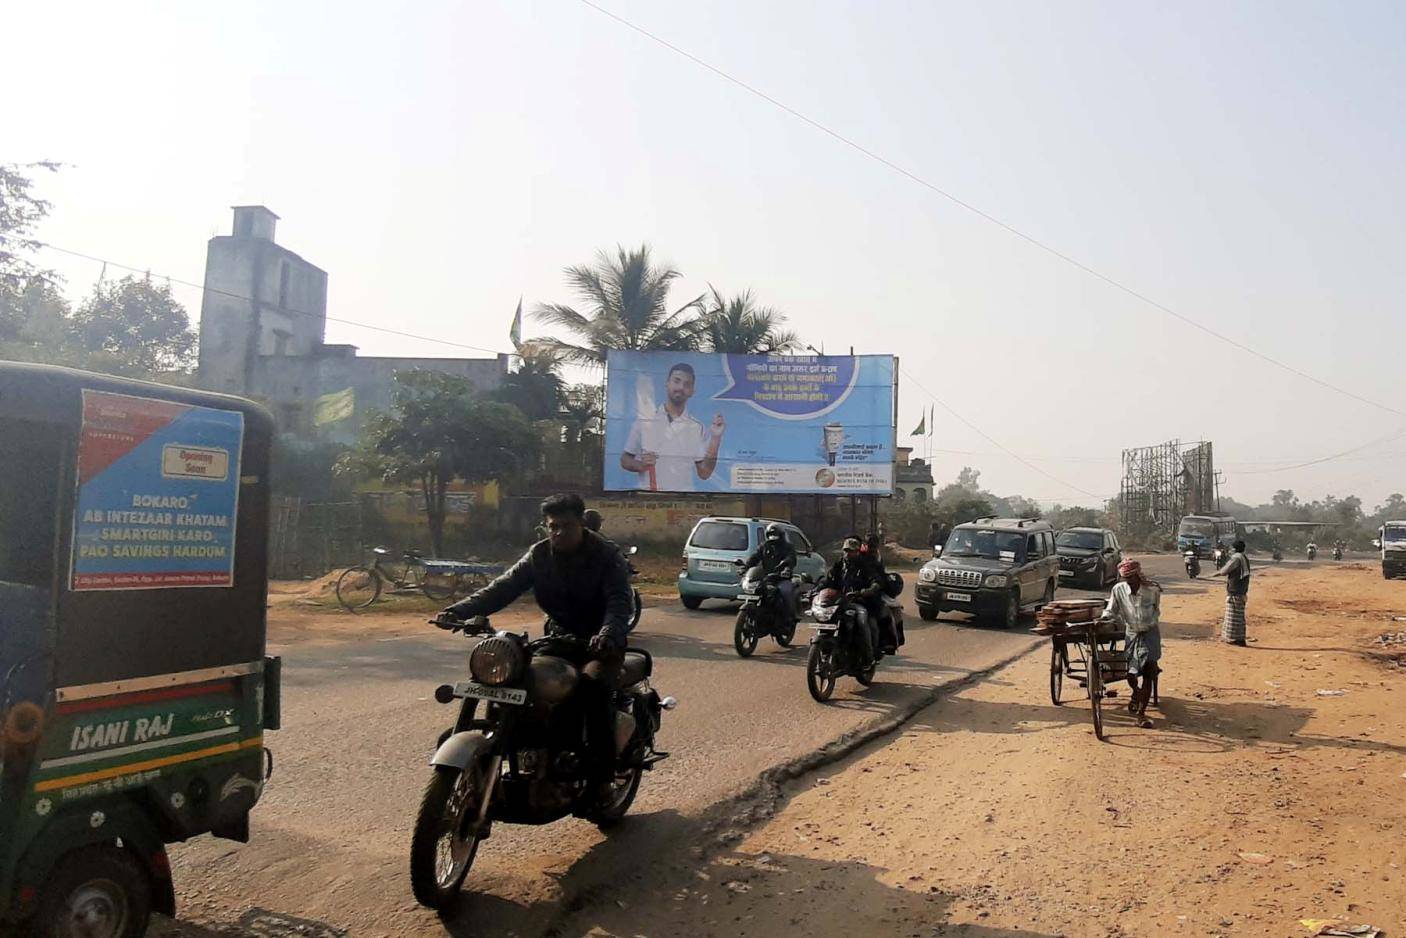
point(667, 447)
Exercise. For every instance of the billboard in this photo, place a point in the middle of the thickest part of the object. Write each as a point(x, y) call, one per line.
point(710, 422)
point(158, 493)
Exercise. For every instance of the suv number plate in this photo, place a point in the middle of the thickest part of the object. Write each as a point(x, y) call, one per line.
point(959, 597)
point(1066, 573)
point(715, 566)
point(507, 695)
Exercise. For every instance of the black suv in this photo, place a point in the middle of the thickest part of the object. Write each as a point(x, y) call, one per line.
point(993, 567)
point(1088, 557)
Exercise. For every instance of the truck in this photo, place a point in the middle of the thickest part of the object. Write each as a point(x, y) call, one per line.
point(1391, 541)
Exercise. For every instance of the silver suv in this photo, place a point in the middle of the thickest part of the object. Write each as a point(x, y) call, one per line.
point(709, 570)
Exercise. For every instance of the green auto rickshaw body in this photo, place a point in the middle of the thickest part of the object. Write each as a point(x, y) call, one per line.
point(134, 686)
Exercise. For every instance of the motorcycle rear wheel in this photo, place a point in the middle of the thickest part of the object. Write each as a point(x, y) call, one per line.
point(866, 677)
point(440, 853)
point(819, 679)
point(744, 633)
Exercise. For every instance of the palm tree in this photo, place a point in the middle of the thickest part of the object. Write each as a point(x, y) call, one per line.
point(740, 326)
point(582, 413)
point(535, 388)
point(628, 300)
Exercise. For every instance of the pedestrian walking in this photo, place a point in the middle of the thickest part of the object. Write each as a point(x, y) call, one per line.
point(1237, 588)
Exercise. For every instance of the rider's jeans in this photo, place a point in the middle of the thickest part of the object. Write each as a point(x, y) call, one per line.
point(866, 636)
point(787, 589)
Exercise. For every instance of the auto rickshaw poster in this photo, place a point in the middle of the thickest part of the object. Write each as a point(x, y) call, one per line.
point(158, 493)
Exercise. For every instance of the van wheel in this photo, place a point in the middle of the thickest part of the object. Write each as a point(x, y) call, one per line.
point(691, 602)
point(100, 891)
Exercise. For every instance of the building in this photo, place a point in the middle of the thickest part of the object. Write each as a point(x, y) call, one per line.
point(912, 478)
point(263, 325)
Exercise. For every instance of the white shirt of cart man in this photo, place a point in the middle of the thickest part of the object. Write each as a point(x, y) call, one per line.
point(680, 443)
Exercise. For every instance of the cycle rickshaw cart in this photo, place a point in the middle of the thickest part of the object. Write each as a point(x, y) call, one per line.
point(134, 686)
point(1087, 649)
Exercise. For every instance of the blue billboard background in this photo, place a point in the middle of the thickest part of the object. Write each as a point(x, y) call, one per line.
point(749, 423)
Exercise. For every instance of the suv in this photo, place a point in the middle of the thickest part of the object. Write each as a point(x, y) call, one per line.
point(709, 570)
point(1088, 557)
point(992, 567)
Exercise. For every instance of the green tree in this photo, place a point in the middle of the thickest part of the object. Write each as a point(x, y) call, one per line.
point(35, 325)
point(21, 211)
point(134, 327)
point(1394, 509)
point(969, 479)
point(627, 307)
point(738, 325)
point(536, 388)
point(436, 431)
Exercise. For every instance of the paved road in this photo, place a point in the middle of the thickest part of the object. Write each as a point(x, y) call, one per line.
point(330, 837)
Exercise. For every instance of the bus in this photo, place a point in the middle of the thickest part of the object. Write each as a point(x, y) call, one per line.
point(1205, 531)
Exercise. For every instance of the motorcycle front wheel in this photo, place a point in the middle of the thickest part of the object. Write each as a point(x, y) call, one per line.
point(744, 633)
point(442, 847)
point(820, 678)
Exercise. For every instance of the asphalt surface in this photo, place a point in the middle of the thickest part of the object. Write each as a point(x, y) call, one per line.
point(330, 838)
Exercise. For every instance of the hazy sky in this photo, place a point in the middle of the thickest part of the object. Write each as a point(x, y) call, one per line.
point(1241, 163)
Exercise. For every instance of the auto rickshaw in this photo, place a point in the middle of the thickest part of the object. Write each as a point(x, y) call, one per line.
point(134, 687)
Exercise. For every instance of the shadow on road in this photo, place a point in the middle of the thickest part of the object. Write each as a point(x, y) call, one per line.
point(688, 647)
point(256, 923)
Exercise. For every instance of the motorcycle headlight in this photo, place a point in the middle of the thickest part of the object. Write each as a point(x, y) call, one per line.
point(927, 575)
point(995, 580)
point(496, 660)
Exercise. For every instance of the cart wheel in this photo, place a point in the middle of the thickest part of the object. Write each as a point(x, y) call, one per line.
point(358, 588)
point(1156, 701)
point(1056, 674)
point(439, 586)
point(1096, 689)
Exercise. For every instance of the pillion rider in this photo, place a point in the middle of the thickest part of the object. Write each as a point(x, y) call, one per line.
point(582, 582)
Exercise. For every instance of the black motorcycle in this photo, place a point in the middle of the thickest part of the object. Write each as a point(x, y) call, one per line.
point(1278, 553)
point(836, 649)
point(764, 611)
point(1220, 556)
point(1337, 552)
point(1191, 559)
point(634, 575)
point(515, 755)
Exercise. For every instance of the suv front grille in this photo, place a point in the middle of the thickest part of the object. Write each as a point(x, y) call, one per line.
point(959, 577)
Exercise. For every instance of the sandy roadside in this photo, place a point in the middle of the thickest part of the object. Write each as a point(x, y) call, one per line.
point(1253, 804)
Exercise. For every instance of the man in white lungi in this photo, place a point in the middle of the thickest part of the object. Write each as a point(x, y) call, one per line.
point(669, 448)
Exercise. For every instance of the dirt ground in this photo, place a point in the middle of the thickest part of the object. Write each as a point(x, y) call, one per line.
point(1268, 793)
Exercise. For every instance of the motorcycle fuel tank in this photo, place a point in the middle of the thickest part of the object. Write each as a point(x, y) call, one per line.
point(553, 679)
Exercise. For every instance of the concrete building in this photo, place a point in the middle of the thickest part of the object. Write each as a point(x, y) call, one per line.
point(263, 324)
point(912, 478)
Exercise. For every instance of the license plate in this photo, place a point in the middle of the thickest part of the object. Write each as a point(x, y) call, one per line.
point(959, 597)
point(743, 597)
point(1066, 573)
point(714, 566)
point(507, 695)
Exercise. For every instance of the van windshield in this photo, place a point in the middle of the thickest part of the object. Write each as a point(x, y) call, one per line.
point(993, 545)
point(720, 535)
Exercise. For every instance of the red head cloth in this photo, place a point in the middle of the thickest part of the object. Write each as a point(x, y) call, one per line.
point(1128, 567)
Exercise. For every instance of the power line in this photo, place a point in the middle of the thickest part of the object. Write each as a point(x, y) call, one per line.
point(1314, 462)
point(1010, 229)
point(993, 441)
point(248, 299)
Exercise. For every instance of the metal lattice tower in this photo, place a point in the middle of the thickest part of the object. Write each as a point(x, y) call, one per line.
point(1164, 483)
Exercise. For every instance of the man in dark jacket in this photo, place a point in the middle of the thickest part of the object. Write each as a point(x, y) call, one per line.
point(777, 555)
point(853, 573)
point(581, 581)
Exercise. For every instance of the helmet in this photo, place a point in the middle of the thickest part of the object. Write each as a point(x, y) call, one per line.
point(773, 532)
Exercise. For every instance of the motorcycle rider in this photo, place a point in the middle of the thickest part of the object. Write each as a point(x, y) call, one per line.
point(872, 550)
point(776, 555)
point(592, 519)
point(854, 574)
point(581, 581)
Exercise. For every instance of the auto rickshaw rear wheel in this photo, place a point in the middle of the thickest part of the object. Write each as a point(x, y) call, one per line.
point(94, 892)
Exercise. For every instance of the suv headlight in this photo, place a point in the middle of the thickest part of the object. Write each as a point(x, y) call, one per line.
point(996, 580)
point(496, 661)
point(927, 575)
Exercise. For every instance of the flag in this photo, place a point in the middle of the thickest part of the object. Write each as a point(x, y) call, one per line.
point(922, 426)
point(329, 408)
point(515, 333)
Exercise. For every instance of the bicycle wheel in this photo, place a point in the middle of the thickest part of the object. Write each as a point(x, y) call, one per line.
point(439, 586)
point(358, 587)
point(1057, 666)
point(1096, 689)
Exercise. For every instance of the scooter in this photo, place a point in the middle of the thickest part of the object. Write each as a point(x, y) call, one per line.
point(1278, 554)
point(1312, 551)
point(1191, 558)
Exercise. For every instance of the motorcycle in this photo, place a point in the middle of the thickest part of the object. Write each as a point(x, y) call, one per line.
point(522, 760)
point(634, 575)
point(1278, 554)
point(1312, 551)
point(835, 649)
point(1337, 552)
point(1191, 559)
point(764, 612)
point(1220, 556)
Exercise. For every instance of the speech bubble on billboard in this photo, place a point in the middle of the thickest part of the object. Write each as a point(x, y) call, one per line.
point(789, 387)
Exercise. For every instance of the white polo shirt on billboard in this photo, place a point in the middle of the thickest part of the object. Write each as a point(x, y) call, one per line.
point(680, 442)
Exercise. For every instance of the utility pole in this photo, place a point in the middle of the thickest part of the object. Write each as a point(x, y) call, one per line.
point(1218, 475)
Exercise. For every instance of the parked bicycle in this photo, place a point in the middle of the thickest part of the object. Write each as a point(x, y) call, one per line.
point(440, 580)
